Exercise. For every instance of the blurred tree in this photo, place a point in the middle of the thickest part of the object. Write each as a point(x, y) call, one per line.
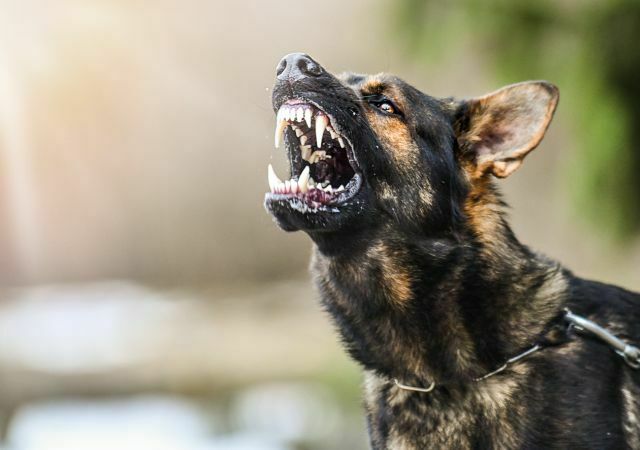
point(590, 48)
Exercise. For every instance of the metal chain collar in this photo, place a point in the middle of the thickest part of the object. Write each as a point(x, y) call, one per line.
point(629, 353)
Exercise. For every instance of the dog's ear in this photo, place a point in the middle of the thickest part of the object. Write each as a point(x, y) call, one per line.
point(495, 132)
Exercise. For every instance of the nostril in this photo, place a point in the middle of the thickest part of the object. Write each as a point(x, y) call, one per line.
point(281, 66)
point(309, 66)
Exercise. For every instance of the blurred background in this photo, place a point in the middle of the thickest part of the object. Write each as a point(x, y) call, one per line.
point(148, 301)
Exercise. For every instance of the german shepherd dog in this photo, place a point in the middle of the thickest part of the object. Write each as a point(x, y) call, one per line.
point(424, 279)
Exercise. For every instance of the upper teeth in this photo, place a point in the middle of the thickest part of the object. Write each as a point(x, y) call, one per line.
point(307, 117)
point(290, 114)
point(321, 124)
point(281, 123)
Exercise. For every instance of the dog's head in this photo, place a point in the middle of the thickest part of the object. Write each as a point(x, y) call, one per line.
point(366, 151)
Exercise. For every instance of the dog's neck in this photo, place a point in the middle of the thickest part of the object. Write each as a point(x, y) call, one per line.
point(425, 309)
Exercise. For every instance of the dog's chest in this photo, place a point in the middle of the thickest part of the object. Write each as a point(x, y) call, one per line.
point(484, 417)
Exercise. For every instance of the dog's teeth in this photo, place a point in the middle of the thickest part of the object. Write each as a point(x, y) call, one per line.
point(341, 188)
point(317, 156)
point(321, 124)
point(299, 114)
point(294, 186)
point(303, 180)
point(341, 141)
point(299, 132)
point(332, 133)
point(306, 152)
point(274, 181)
point(287, 186)
point(311, 183)
point(281, 124)
point(303, 140)
point(307, 116)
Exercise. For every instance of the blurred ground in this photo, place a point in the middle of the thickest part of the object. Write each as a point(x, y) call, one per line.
point(134, 140)
point(121, 365)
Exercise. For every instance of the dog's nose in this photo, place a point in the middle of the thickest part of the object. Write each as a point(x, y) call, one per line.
point(297, 65)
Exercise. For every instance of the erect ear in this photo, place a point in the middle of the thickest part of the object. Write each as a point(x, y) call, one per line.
point(495, 132)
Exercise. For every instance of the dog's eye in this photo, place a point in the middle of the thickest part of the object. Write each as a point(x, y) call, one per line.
point(383, 104)
point(386, 107)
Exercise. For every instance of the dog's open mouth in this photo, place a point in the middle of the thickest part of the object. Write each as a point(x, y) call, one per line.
point(323, 166)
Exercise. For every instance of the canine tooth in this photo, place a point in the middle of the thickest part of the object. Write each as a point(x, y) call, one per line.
point(341, 141)
point(321, 123)
point(299, 114)
point(274, 181)
point(281, 124)
point(303, 180)
point(303, 139)
point(299, 132)
point(307, 116)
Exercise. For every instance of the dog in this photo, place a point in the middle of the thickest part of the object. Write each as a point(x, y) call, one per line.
point(460, 329)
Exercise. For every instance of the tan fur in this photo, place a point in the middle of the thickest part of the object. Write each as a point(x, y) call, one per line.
point(493, 396)
point(483, 211)
point(396, 277)
point(507, 125)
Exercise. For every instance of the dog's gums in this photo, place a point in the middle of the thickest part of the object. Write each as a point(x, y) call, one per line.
point(323, 168)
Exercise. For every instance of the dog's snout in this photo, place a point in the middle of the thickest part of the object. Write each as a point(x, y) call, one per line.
point(297, 65)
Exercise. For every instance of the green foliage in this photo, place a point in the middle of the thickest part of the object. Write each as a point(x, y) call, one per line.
point(589, 48)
